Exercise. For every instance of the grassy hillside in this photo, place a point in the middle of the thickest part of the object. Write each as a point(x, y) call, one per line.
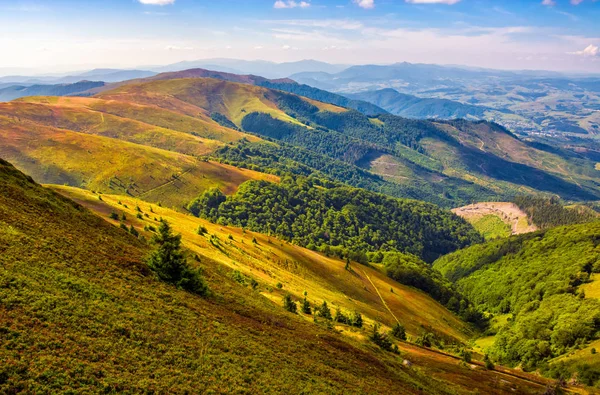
point(87, 316)
point(106, 164)
point(271, 262)
point(539, 279)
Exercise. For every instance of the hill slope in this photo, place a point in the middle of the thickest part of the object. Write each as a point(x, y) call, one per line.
point(450, 163)
point(83, 313)
point(537, 278)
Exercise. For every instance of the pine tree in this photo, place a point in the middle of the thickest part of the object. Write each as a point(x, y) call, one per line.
point(324, 311)
point(170, 264)
point(357, 320)
point(289, 304)
point(306, 307)
point(399, 332)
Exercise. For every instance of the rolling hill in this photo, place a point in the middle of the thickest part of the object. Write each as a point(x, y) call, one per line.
point(450, 163)
point(84, 313)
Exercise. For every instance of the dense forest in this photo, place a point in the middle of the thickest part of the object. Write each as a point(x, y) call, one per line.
point(536, 278)
point(324, 215)
point(549, 212)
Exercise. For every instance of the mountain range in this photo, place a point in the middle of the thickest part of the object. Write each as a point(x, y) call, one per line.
point(318, 226)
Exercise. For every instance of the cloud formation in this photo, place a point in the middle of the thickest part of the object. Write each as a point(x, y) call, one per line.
point(449, 2)
point(280, 4)
point(549, 3)
point(589, 51)
point(157, 2)
point(366, 4)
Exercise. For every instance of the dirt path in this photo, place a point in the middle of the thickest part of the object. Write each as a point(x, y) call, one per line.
point(380, 297)
point(509, 213)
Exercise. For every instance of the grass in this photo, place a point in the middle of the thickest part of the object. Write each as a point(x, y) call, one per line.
point(271, 261)
point(81, 313)
point(592, 289)
point(491, 227)
point(105, 164)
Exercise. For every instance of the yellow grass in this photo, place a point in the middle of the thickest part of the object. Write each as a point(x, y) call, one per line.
point(272, 261)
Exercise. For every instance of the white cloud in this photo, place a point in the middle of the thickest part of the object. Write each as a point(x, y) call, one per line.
point(576, 2)
point(449, 2)
point(157, 2)
point(279, 4)
point(549, 3)
point(589, 51)
point(366, 4)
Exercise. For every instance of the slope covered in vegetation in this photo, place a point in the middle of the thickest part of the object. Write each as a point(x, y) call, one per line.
point(538, 279)
point(325, 216)
point(81, 311)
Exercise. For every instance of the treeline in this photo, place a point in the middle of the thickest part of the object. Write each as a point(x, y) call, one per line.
point(321, 215)
point(537, 279)
point(550, 212)
point(410, 270)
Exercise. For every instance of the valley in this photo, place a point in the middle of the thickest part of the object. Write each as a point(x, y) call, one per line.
point(284, 201)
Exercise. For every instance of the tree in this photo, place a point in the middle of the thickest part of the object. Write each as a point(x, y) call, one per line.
point(357, 320)
point(381, 339)
point(324, 311)
point(489, 365)
point(289, 304)
point(169, 263)
point(114, 216)
point(340, 317)
point(306, 307)
point(133, 231)
point(399, 332)
point(347, 263)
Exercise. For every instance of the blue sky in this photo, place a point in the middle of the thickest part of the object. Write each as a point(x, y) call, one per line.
point(528, 34)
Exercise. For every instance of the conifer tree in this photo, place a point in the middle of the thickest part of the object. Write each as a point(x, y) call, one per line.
point(170, 264)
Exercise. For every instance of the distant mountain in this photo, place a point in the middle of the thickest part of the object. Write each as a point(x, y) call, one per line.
point(17, 91)
point(105, 75)
point(259, 67)
point(415, 107)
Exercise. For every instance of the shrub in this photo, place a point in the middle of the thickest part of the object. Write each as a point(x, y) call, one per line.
point(306, 307)
point(289, 304)
point(114, 216)
point(133, 231)
point(340, 317)
point(489, 365)
point(170, 264)
point(324, 311)
point(202, 230)
point(399, 332)
point(357, 320)
point(381, 339)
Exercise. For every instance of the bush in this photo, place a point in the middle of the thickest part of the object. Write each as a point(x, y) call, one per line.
point(323, 311)
point(381, 339)
point(202, 230)
point(289, 304)
point(306, 307)
point(489, 365)
point(340, 317)
point(170, 264)
point(399, 332)
point(357, 320)
point(114, 216)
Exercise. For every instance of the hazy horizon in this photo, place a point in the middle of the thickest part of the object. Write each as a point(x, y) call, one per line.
point(66, 35)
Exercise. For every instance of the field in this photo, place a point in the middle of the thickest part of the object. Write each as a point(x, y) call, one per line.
point(496, 219)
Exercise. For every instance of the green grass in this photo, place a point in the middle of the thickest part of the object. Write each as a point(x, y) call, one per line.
point(491, 227)
point(80, 312)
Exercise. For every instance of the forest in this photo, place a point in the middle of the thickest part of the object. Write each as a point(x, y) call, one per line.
point(536, 278)
point(320, 214)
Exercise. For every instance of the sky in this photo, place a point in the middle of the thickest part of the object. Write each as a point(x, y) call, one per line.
point(43, 36)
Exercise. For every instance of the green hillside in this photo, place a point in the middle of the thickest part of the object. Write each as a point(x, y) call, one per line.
point(539, 279)
point(81, 312)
